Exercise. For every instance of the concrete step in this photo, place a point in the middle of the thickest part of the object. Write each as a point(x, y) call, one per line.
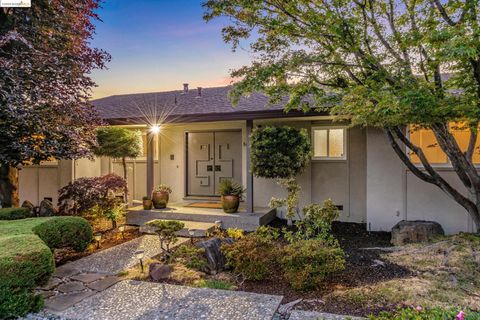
point(200, 229)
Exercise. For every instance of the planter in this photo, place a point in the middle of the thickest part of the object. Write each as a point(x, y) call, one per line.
point(230, 204)
point(160, 199)
point(147, 204)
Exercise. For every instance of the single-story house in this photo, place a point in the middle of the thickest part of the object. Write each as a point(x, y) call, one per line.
point(203, 138)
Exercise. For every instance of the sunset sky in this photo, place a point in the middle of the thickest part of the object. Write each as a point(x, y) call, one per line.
point(156, 45)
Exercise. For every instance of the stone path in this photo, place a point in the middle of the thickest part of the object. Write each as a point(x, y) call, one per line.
point(311, 315)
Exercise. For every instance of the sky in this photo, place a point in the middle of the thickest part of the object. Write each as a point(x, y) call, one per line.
point(157, 45)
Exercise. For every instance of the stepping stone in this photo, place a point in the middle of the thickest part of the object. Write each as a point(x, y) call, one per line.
point(103, 284)
point(45, 294)
point(65, 301)
point(65, 271)
point(52, 283)
point(88, 277)
point(71, 287)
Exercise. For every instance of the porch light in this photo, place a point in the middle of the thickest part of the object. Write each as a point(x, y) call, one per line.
point(218, 224)
point(140, 254)
point(155, 129)
point(122, 230)
point(98, 237)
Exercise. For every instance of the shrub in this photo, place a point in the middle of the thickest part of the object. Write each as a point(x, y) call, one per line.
point(74, 232)
point(162, 188)
point(235, 233)
point(427, 314)
point(267, 232)
point(15, 213)
point(251, 256)
point(229, 187)
point(306, 263)
point(190, 257)
point(166, 230)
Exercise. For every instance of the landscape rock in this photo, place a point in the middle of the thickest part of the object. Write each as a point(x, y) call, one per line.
point(46, 209)
point(415, 231)
point(216, 260)
point(159, 271)
point(27, 204)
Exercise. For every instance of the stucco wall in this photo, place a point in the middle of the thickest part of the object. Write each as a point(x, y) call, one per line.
point(394, 193)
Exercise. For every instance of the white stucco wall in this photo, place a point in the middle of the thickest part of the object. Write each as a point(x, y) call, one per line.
point(394, 193)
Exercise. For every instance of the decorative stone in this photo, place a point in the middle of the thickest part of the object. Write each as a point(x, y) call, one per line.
point(27, 204)
point(46, 209)
point(88, 277)
point(415, 231)
point(216, 260)
point(159, 271)
point(71, 287)
point(103, 284)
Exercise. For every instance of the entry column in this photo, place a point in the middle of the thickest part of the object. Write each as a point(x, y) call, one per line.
point(249, 195)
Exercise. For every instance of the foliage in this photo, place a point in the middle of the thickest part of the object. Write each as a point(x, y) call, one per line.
point(235, 233)
point(306, 263)
point(45, 83)
point(316, 223)
point(112, 213)
point(214, 284)
point(291, 201)
point(267, 232)
point(228, 187)
point(386, 64)
point(118, 142)
point(279, 152)
point(82, 195)
point(146, 198)
point(251, 256)
point(191, 257)
point(162, 188)
point(15, 213)
point(420, 313)
point(166, 230)
point(61, 232)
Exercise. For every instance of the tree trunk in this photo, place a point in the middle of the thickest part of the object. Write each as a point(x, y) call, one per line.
point(9, 186)
point(125, 174)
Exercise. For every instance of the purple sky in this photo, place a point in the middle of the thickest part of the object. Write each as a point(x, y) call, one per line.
point(156, 45)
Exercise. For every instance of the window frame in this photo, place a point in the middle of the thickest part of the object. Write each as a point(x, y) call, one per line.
point(328, 128)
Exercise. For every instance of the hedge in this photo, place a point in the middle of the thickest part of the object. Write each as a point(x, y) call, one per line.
point(15, 213)
point(64, 232)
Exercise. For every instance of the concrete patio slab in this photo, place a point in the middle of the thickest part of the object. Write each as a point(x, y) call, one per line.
point(128, 300)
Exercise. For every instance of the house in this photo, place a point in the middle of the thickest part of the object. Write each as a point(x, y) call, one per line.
point(193, 138)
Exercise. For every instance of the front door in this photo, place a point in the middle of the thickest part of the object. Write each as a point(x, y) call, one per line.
point(212, 157)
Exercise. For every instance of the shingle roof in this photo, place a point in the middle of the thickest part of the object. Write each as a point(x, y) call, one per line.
point(180, 105)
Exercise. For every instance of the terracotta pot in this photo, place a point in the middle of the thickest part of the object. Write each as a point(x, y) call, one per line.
point(147, 204)
point(160, 199)
point(230, 204)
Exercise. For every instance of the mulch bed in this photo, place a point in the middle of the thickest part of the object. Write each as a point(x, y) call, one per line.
point(359, 271)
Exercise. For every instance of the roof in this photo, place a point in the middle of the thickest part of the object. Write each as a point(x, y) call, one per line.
point(177, 106)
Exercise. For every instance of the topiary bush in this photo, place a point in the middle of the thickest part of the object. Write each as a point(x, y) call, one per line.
point(61, 232)
point(306, 263)
point(252, 256)
point(15, 213)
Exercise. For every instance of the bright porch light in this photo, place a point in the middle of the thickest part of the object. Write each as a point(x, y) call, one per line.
point(155, 129)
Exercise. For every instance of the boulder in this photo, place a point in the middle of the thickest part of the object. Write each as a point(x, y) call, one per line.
point(46, 209)
point(415, 231)
point(27, 204)
point(216, 260)
point(159, 271)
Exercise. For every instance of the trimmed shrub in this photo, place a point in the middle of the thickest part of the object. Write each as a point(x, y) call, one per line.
point(306, 263)
point(427, 314)
point(15, 213)
point(61, 232)
point(25, 263)
point(251, 256)
point(190, 257)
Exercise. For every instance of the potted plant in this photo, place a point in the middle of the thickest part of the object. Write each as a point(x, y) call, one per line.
point(160, 196)
point(231, 193)
point(147, 203)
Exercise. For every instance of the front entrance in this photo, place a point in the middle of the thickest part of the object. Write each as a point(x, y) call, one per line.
point(212, 157)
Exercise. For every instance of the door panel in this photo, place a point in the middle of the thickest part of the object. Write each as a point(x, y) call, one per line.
point(228, 157)
point(200, 163)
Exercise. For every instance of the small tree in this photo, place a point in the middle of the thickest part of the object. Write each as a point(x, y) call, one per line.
point(119, 143)
point(167, 232)
point(281, 153)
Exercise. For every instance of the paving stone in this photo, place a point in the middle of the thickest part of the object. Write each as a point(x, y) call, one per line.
point(52, 283)
point(103, 284)
point(65, 301)
point(311, 315)
point(88, 277)
point(71, 286)
point(65, 271)
point(45, 293)
point(128, 300)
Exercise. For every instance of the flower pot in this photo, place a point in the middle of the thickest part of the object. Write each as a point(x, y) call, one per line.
point(147, 204)
point(160, 199)
point(230, 204)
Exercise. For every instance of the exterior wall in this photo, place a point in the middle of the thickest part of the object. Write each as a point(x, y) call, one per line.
point(394, 193)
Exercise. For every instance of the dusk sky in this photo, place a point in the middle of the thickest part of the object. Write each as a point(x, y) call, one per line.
point(157, 45)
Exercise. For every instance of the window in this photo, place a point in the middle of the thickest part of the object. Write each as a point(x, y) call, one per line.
point(329, 143)
point(425, 139)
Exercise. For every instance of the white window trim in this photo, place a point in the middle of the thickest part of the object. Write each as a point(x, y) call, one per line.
point(327, 158)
